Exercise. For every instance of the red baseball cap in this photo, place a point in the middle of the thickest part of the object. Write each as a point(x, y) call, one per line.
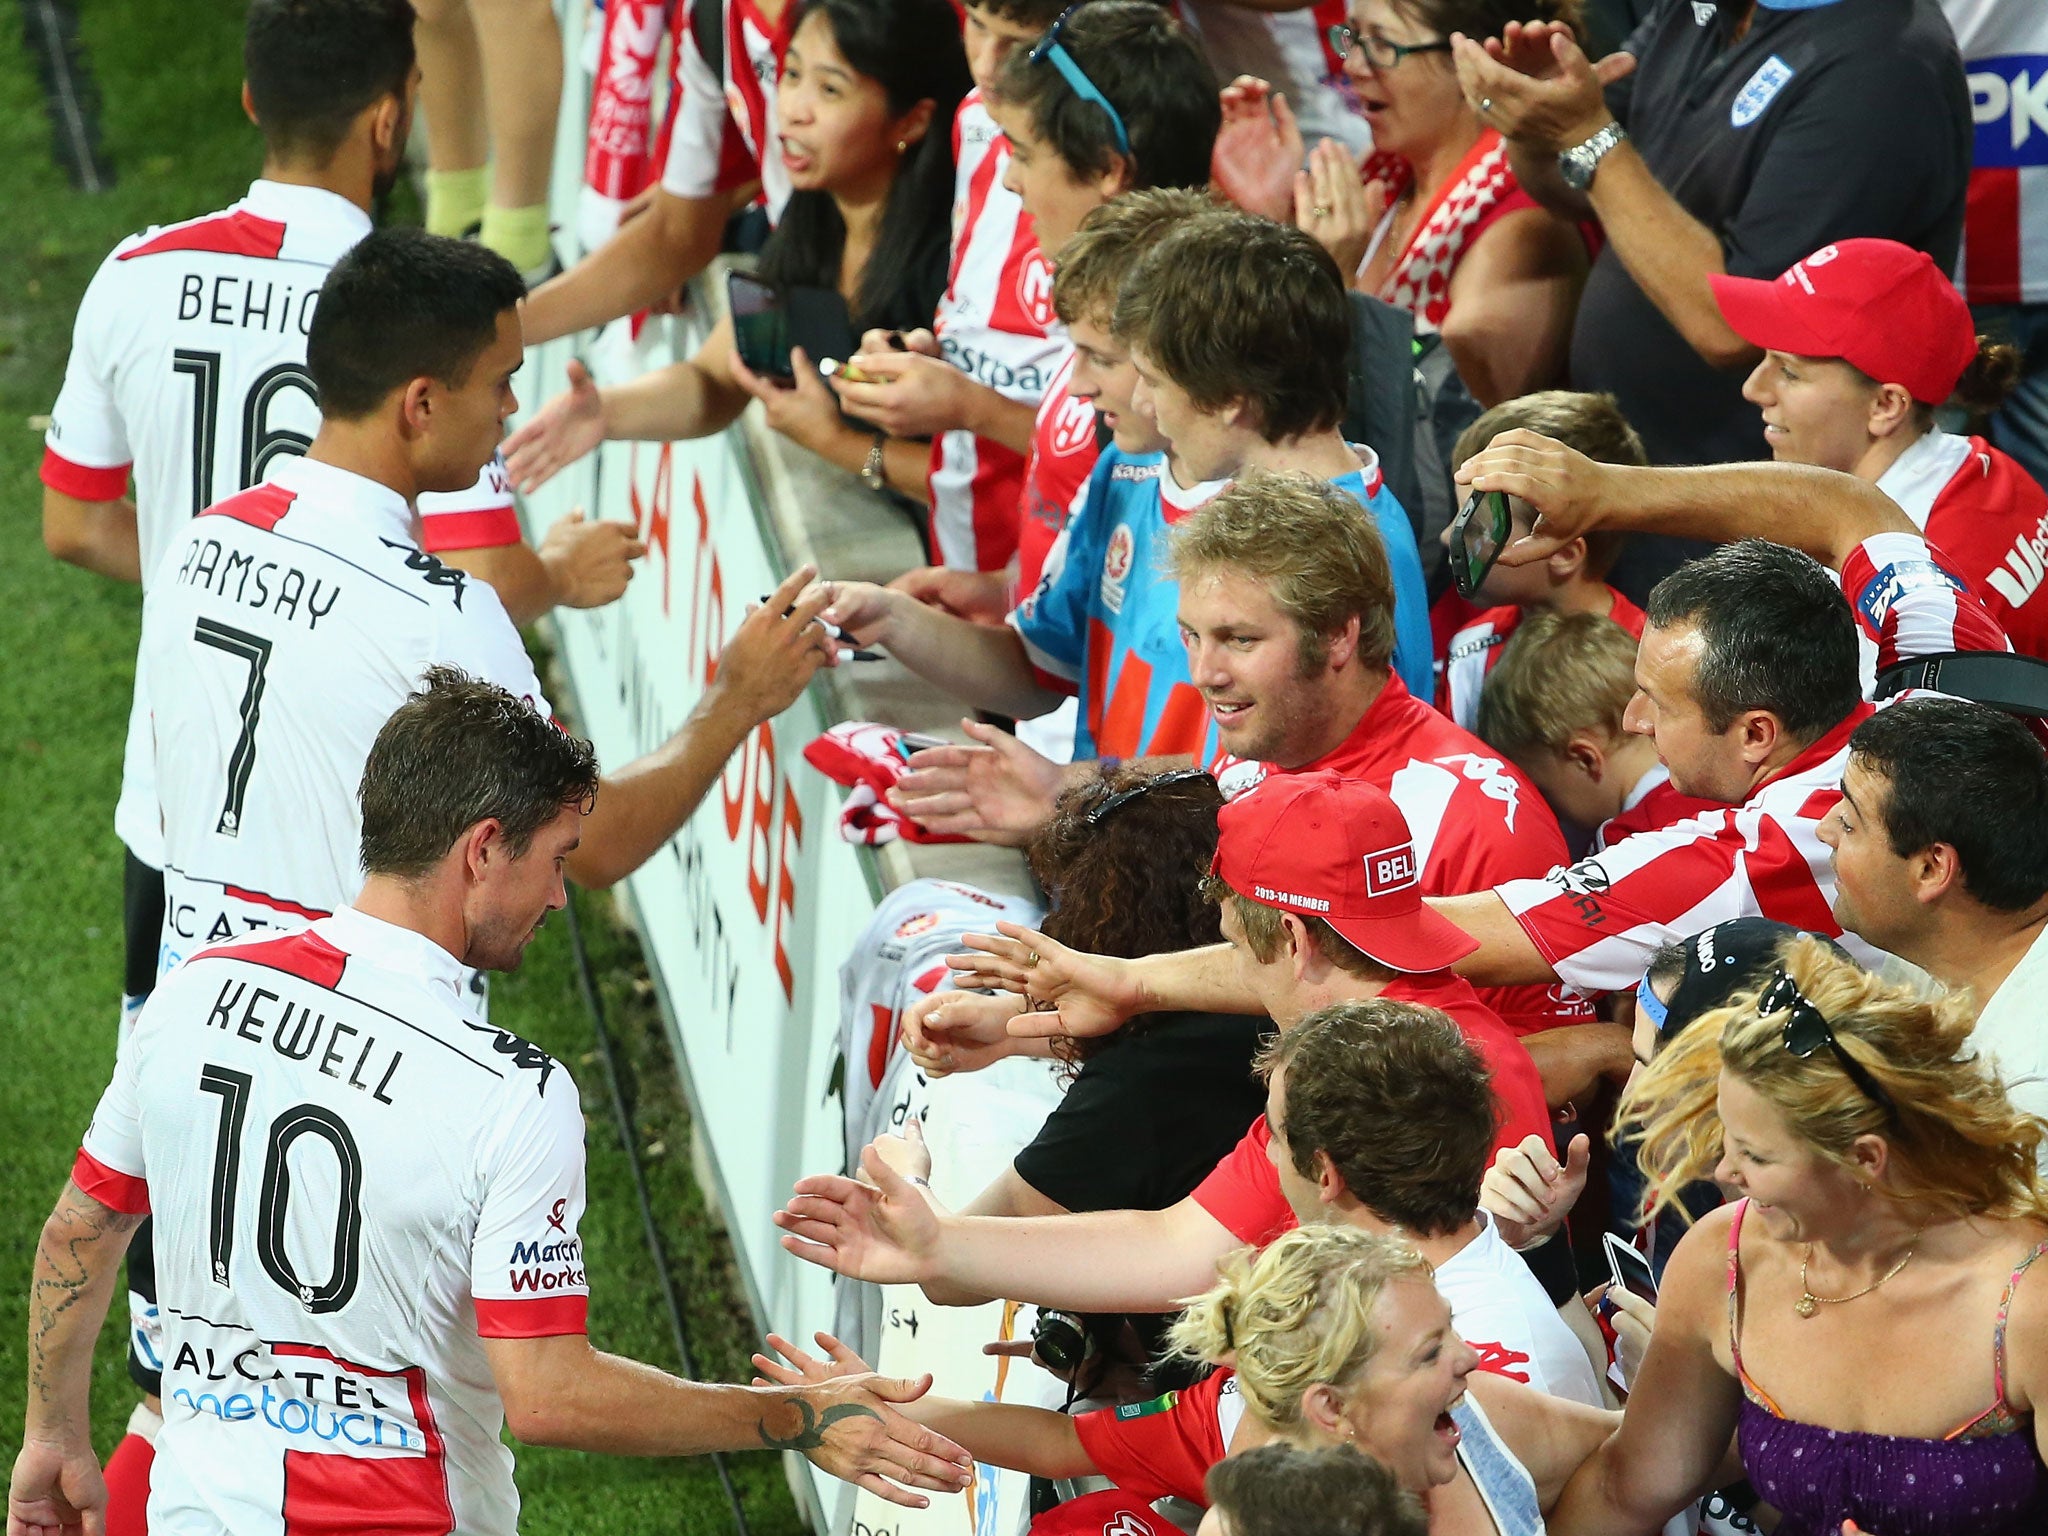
point(1878, 305)
point(1110, 1512)
point(1338, 849)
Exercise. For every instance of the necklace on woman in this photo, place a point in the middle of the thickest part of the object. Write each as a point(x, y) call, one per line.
point(1808, 1303)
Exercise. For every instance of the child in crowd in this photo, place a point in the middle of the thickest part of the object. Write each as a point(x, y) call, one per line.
point(1573, 580)
point(1555, 704)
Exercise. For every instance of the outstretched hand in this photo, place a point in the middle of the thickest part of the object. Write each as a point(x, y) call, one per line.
point(804, 1370)
point(878, 1228)
point(956, 1031)
point(849, 1426)
point(999, 791)
point(1073, 993)
point(1258, 148)
point(559, 433)
point(774, 654)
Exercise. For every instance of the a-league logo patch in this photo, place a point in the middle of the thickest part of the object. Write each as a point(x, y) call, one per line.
point(1116, 566)
point(1759, 91)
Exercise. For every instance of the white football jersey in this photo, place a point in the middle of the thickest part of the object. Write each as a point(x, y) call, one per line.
point(354, 1183)
point(188, 372)
point(283, 627)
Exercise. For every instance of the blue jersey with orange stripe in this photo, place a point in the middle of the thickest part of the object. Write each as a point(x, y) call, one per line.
point(1103, 621)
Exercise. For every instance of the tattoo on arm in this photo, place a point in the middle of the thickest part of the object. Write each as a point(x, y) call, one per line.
point(69, 1261)
point(811, 1425)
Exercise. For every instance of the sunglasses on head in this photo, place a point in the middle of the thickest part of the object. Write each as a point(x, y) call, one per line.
point(1124, 797)
point(1807, 1030)
point(1049, 47)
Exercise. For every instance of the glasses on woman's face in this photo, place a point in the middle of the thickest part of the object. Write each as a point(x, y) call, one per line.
point(1807, 1030)
point(1380, 52)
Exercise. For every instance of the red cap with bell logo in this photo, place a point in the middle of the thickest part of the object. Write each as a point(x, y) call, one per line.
point(1878, 305)
point(1339, 849)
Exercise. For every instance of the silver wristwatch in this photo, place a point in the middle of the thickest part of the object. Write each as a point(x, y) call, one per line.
point(1577, 164)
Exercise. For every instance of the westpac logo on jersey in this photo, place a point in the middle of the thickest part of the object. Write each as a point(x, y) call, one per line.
point(2009, 104)
point(2025, 565)
point(1759, 91)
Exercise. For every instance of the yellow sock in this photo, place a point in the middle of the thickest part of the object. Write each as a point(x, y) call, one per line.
point(520, 235)
point(455, 200)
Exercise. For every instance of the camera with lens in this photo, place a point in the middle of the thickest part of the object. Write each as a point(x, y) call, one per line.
point(1061, 1341)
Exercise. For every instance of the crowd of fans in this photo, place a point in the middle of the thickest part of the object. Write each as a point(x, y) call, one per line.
point(1651, 896)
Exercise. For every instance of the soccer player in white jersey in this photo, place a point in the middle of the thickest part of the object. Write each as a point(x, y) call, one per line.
point(368, 1200)
point(187, 372)
point(287, 622)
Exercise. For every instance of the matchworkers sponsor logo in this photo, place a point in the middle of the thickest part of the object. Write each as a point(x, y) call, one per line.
point(539, 1268)
point(1275, 898)
point(1390, 870)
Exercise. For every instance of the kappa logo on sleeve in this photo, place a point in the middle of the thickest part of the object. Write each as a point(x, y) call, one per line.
point(523, 1053)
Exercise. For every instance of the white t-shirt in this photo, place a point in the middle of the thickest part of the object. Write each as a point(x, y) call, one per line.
point(284, 626)
point(353, 1184)
point(188, 372)
point(1501, 1310)
point(2012, 1033)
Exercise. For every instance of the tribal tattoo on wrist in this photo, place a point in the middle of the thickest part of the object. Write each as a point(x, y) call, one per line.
point(812, 1424)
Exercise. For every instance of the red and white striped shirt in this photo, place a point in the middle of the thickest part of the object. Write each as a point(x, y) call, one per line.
point(722, 134)
point(1475, 650)
point(2004, 45)
point(1063, 454)
point(995, 324)
point(1599, 921)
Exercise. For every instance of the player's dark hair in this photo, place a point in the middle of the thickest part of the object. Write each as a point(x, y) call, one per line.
point(1398, 1100)
point(459, 751)
point(405, 305)
point(1969, 776)
point(1278, 1489)
point(1776, 635)
point(314, 65)
point(1237, 307)
point(1153, 73)
point(912, 49)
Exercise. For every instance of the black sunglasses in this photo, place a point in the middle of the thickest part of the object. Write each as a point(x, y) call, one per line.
point(1807, 1030)
point(1124, 797)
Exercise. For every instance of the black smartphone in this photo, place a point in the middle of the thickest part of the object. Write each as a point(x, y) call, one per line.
point(1478, 534)
point(760, 327)
point(1631, 1271)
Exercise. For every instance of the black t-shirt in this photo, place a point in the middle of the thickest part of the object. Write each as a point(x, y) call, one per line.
point(1144, 1122)
point(1847, 119)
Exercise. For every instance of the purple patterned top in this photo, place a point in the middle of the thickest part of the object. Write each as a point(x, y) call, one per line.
point(1983, 1479)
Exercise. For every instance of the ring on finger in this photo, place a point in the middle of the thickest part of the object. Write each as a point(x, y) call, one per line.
point(1319, 212)
point(1485, 105)
point(1031, 958)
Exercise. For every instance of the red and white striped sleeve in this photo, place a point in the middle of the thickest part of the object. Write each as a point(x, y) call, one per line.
point(1599, 921)
point(1911, 600)
point(86, 454)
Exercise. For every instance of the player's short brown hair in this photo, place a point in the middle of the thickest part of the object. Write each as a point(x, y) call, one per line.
point(1398, 1100)
point(1591, 423)
point(1316, 550)
point(1238, 307)
point(1279, 1489)
point(459, 751)
point(1558, 673)
point(1092, 264)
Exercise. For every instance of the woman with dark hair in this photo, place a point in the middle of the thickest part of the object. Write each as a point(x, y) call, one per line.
point(863, 109)
point(1435, 222)
point(1155, 1105)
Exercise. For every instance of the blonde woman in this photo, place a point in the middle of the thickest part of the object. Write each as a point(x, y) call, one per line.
point(1860, 1317)
point(1337, 1337)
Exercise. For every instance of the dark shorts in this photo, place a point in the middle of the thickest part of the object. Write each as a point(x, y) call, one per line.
point(142, 923)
